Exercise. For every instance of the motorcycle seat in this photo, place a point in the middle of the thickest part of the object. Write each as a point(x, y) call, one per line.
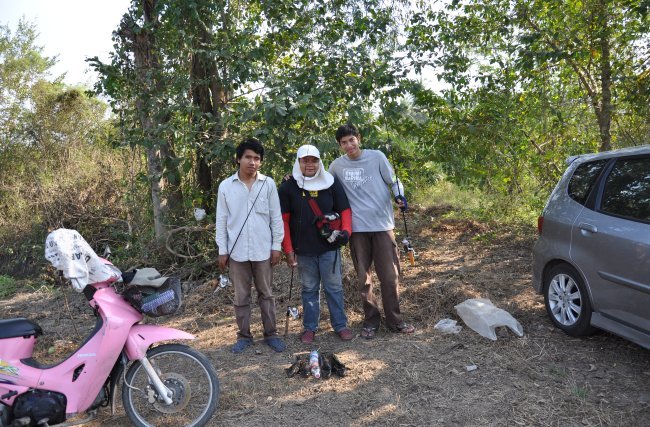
point(19, 327)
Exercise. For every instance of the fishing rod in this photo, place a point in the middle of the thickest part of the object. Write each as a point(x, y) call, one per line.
point(406, 242)
point(291, 311)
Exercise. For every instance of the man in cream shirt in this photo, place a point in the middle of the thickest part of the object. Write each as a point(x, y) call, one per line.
point(249, 235)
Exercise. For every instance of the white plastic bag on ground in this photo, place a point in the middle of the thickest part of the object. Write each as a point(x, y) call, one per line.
point(483, 317)
point(199, 214)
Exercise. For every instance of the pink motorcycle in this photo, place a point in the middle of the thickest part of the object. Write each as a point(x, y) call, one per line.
point(167, 384)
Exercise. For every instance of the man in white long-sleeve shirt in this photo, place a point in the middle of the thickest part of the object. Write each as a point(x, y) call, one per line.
point(249, 235)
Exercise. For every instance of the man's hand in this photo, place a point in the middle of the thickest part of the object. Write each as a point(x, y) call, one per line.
point(339, 237)
point(401, 203)
point(291, 260)
point(223, 262)
point(276, 256)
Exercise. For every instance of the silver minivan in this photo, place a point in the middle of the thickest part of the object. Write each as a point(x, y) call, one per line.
point(592, 258)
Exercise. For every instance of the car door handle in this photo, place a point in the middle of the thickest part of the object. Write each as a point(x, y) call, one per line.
point(588, 227)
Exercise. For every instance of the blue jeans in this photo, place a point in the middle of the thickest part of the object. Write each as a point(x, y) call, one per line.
point(313, 270)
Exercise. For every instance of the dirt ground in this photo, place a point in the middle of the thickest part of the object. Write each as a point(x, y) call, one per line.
point(544, 378)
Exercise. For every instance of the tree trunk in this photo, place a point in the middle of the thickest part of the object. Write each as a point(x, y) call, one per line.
point(202, 100)
point(165, 197)
point(210, 97)
point(158, 202)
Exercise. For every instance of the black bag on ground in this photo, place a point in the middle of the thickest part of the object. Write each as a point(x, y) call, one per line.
point(330, 364)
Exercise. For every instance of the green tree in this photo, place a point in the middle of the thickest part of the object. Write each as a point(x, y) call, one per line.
point(594, 45)
point(601, 47)
point(22, 65)
point(285, 71)
point(139, 33)
point(529, 84)
point(56, 166)
point(62, 118)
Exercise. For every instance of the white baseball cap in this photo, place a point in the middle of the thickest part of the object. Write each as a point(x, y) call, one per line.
point(308, 150)
point(321, 181)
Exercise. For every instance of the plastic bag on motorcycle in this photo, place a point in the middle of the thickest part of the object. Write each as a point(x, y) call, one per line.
point(156, 302)
point(69, 253)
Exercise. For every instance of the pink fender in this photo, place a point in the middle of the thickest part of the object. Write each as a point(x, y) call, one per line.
point(142, 336)
point(11, 391)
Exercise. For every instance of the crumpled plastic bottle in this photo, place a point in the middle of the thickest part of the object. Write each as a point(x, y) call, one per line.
point(314, 366)
point(448, 326)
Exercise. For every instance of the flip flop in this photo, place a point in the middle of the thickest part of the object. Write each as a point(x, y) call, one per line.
point(404, 328)
point(275, 343)
point(241, 345)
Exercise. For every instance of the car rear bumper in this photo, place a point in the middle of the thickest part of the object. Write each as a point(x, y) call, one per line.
point(539, 261)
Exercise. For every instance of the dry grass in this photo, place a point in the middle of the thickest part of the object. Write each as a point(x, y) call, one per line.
point(545, 378)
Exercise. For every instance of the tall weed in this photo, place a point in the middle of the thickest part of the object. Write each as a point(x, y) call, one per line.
point(88, 187)
point(476, 204)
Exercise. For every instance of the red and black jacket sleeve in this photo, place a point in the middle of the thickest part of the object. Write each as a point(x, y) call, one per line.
point(342, 206)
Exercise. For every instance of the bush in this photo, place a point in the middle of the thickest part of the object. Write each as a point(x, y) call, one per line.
point(7, 287)
point(90, 189)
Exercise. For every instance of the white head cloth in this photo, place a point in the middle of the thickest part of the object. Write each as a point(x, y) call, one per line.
point(321, 180)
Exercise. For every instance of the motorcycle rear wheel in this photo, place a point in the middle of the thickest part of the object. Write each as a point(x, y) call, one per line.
point(187, 373)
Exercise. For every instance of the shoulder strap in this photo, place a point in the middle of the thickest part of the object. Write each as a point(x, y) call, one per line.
point(312, 204)
point(247, 215)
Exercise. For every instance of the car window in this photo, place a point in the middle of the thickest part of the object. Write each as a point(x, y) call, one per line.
point(583, 180)
point(627, 189)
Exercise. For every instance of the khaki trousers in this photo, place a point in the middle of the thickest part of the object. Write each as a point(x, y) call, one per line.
point(244, 275)
point(378, 248)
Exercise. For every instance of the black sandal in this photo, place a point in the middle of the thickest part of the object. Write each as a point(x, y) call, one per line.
point(368, 333)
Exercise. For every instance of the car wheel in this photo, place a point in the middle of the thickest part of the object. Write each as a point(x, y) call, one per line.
point(567, 301)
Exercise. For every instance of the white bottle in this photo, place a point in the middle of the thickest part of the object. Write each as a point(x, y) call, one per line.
point(313, 364)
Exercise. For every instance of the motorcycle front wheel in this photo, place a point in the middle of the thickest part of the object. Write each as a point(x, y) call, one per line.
point(187, 373)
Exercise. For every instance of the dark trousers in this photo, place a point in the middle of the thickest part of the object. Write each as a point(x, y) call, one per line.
point(378, 248)
point(244, 275)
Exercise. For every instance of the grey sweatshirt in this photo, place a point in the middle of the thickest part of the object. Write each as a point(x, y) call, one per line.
point(366, 182)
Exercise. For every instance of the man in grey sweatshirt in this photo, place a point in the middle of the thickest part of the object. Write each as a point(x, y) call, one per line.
point(366, 176)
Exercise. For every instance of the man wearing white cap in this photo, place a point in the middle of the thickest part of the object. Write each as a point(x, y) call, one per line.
point(310, 195)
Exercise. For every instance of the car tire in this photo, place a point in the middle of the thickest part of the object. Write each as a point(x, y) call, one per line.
point(567, 301)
